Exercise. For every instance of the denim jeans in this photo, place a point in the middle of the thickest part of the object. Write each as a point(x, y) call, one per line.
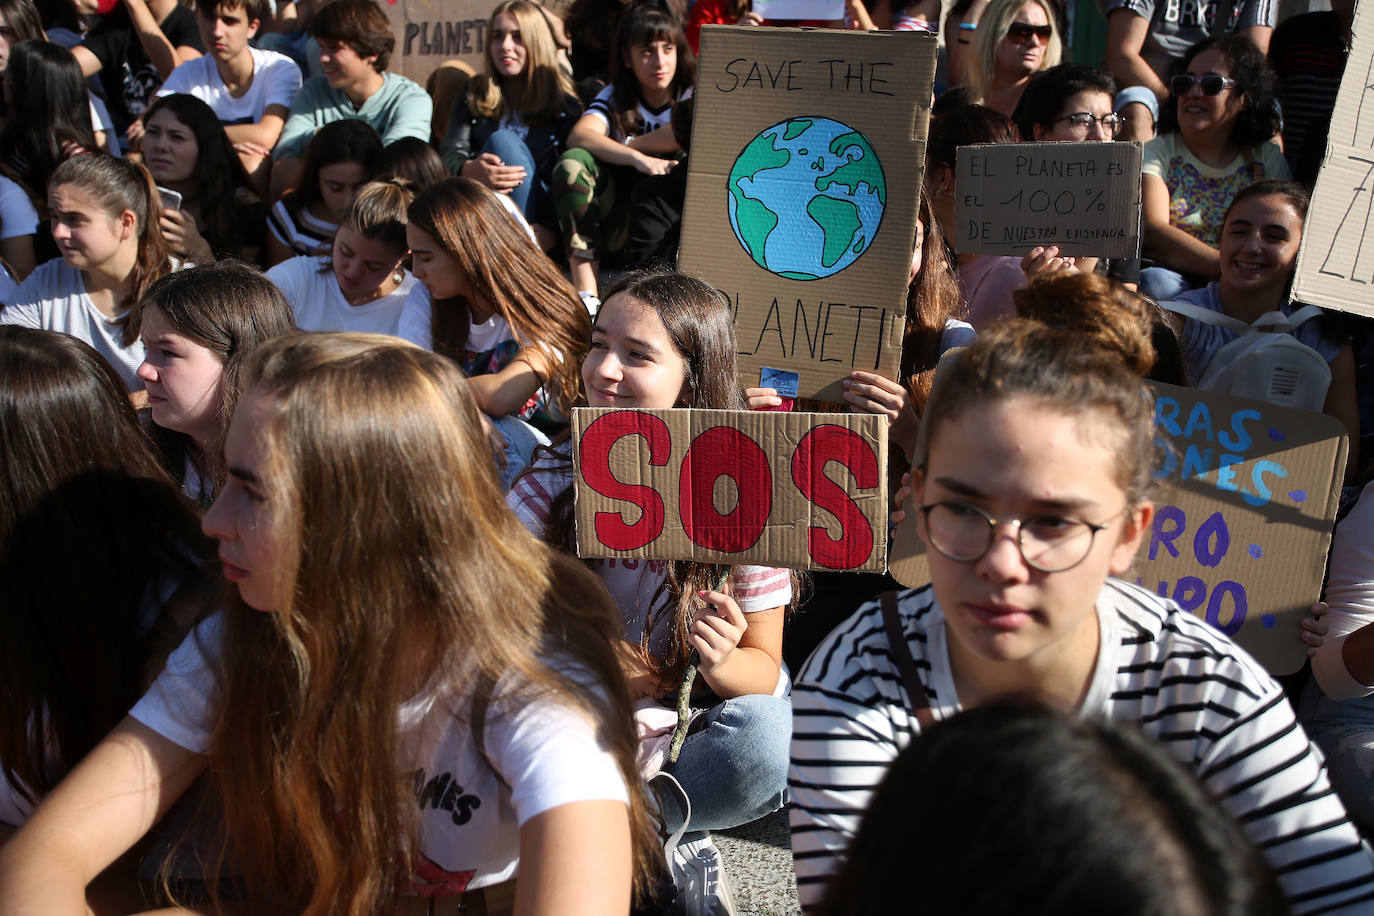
point(1344, 730)
point(521, 438)
point(734, 770)
point(507, 145)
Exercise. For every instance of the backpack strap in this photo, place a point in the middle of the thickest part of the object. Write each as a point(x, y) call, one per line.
point(1205, 315)
point(906, 665)
point(1269, 321)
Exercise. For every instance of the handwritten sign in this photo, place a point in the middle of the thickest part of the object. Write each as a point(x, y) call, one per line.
point(429, 32)
point(807, 152)
point(1336, 261)
point(720, 486)
point(1083, 197)
point(1243, 515)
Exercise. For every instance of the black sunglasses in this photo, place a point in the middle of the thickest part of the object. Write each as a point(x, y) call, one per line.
point(1211, 83)
point(1022, 32)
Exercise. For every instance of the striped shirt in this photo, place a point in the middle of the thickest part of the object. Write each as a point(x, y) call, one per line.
point(1187, 686)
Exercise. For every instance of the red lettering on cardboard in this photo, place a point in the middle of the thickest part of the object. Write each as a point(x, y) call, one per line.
point(818, 447)
point(725, 452)
point(594, 452)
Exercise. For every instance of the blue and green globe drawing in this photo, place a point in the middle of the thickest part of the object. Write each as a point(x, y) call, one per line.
point(806, 197)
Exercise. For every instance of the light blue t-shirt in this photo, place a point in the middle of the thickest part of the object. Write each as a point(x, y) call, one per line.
point(1201, 341)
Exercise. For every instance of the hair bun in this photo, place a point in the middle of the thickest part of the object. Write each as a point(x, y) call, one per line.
point(1091, 310)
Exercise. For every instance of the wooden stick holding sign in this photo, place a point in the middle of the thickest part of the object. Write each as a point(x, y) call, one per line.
point(1243, 514)
point(1082, 197)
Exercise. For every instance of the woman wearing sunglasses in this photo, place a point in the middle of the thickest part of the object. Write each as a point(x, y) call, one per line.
point(1015, 40)
point(1032, 487)
point(1213, 140)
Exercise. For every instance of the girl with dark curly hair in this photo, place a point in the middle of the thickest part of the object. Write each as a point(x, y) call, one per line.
point(1214, 139)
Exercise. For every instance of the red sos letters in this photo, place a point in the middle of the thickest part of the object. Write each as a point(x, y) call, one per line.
point(778, 489)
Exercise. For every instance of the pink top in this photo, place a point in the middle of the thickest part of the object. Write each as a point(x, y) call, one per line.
point(987, 283)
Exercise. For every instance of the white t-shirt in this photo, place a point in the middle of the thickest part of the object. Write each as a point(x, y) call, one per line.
point(633, 583)
point(54, 298)
point(320, 305)
point(17, 213)
point(276, 80)
point(470, 819)
point(101, 120)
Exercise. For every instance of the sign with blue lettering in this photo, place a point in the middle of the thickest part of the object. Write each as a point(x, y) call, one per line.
point(1243, 521)
point(1246, 497)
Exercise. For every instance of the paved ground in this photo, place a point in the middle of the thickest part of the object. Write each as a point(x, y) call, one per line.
point(758, 861)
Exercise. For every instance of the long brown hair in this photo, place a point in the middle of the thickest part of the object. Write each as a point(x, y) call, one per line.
point(698, 320)
point(231, 309)
point(91, 530)
point(222, 186)
point(931, 300)
point(117, 185)
point(377, 467)
point(504, 270)
point(546, 85)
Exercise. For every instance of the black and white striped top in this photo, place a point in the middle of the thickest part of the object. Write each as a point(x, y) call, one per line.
point(1185, 684)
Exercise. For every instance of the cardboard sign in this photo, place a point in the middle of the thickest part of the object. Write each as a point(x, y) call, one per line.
point(729, 486)
point(1336, 261)
point(777, 10)
point(1083, 197)
point(807, 152)
point(429, 32)
point(1243, 517)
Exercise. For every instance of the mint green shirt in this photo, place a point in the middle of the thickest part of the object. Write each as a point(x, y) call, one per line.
point(400, 108)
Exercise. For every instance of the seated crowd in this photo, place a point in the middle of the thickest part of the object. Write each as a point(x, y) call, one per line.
point(332, 649)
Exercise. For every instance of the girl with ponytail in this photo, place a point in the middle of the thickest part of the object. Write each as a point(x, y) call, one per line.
point(104, 215)
point(1031, 486)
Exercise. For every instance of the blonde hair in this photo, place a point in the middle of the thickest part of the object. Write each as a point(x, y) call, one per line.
point(992, 28)
point(546, 85)
point(378, 212)
point(377, 471)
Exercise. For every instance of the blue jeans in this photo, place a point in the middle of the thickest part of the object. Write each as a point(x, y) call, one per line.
point(735, 769)
point(507, 145)
point(521, 438)
point(1162, 283)
point(1344, 730)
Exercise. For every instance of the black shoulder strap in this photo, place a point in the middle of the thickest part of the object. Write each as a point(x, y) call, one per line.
point(906, 665)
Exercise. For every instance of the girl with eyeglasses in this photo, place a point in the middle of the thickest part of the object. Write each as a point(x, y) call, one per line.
point(1015, 40)
point(1072, 103)
point(1214, 139)
point(1031, 483)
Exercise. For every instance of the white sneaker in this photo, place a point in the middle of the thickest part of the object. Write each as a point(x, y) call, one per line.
point(699, 874)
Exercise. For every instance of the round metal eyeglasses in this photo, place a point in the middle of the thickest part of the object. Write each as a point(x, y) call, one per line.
point(1082, 122)
point(1048, 543)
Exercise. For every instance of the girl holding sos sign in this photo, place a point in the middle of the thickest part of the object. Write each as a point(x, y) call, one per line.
point(666, 340)
point(1031, 484)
